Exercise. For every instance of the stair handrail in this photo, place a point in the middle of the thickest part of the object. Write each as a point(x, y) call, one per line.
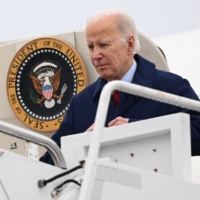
point(35, 138)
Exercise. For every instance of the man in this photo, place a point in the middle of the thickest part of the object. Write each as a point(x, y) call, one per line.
point(113, 43)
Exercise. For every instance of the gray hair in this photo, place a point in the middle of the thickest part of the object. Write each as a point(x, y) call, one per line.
point(125, 25)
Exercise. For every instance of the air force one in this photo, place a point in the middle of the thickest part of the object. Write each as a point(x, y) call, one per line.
point(149, 159)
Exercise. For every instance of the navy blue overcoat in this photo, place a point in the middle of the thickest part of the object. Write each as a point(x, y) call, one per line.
point(83, 106)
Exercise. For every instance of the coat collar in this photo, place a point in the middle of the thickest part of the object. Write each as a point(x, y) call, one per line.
point(144, 75)
point(145, 72)
point(99, 84)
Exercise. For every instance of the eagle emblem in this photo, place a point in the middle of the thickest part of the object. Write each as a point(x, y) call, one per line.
point(46, 81)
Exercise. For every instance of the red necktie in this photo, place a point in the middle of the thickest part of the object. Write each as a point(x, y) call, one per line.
point(116, 98)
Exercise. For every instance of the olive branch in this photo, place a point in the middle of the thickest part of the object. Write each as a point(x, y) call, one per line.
point(33, 97)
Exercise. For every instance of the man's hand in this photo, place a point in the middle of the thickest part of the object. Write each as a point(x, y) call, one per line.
point(90, 128)
point(118, 121)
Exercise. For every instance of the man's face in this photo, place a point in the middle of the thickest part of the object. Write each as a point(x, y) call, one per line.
point(111, 57)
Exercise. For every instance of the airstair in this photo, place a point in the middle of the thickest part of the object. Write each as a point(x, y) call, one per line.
point(149, 159)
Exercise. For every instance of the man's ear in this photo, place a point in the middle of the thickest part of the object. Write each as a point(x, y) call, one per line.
point(131, 44)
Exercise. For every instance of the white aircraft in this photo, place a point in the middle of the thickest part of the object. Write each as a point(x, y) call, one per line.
point(102, 164)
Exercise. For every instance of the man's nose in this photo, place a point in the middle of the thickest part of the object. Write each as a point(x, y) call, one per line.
point(96, 54)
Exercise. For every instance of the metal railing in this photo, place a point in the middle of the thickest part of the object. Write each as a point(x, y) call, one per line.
point(102, 113)
point(34, 137)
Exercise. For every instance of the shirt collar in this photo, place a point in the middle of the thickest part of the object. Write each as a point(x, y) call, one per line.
point(128, 77)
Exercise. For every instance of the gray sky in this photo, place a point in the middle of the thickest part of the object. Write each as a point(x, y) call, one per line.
point(155, 18)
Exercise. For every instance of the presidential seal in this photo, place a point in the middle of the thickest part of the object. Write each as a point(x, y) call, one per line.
point(42, 78)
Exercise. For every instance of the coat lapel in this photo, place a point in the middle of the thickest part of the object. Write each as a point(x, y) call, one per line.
point(145, 72)
point(144, 75)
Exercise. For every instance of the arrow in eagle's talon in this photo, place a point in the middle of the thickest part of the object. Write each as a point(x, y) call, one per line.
point(63, 89)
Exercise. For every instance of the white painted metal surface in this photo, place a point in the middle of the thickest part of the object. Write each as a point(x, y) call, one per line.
point(122, 182)
point(101, 117)
point(19, 176)
point(31, 150)
point(160, 145)
point(168, 135)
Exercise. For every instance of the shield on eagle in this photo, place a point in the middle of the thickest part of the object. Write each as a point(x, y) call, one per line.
point(47, 91)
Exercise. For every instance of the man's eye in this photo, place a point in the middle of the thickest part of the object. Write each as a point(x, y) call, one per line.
point(103, 45)
point(90, 47)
